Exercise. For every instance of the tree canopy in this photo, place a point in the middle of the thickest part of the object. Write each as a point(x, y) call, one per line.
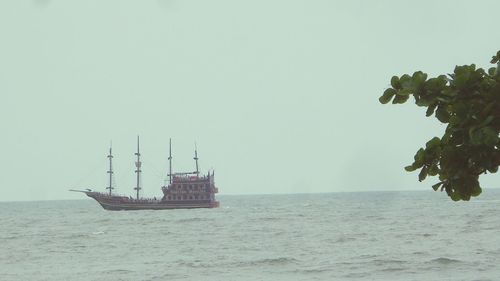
point(468, 101)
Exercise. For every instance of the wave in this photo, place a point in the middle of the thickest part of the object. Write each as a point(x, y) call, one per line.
point(103, 220)
point(269, 219)
point(268, 261)
point(117, 271)
point(388, 262)
point(313, 270)
point(343, 239)
point(393, 269)
point(11, 237)
point(193, 220)
point(445, 261)
point(75, 236)
point(419, 253)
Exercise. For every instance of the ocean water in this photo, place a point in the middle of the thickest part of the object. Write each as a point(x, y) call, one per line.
point(338, 236)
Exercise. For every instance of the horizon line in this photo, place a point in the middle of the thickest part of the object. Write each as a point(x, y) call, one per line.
point(256, 194)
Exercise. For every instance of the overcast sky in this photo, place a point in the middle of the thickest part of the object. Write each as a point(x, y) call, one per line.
point(280, 96)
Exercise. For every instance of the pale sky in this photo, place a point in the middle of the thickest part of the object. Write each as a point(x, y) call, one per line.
point(280, 96)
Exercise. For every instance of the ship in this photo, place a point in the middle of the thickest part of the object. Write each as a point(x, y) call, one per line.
point(185, 190)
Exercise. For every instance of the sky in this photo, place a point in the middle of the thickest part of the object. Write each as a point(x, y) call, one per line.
point(280, 96)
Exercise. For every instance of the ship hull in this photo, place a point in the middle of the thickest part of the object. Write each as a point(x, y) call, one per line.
point(155, 206)
point(120, 203)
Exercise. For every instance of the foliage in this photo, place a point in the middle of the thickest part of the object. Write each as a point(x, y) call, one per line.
point(468, 100)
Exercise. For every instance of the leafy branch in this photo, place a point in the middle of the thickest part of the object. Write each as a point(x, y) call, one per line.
point(468, 100)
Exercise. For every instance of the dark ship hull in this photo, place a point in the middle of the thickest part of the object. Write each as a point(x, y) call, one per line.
point(122, 203)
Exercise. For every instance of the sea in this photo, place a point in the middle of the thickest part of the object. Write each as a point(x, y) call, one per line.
point(411, 235)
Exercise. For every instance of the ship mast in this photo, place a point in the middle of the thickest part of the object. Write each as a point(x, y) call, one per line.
point(170, 161)
point(196, 159)
point(110, 171)
point(138, 168)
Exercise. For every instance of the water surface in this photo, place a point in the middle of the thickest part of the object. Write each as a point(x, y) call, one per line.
point(337, 236)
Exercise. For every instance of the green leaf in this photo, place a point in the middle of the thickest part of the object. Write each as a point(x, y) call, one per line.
point(419, 158)
point(400, 99)
point(387, 96)
point(493, 169)
point(462, 76)
point(410, 168)
point(488, 120)
point(449, 93)
point(434, 142)
point(486, 135)
point(395, 82)
point(446, 138)
point(423, 174)
point(496, 58)
point(437, 185)
point(405, 81)
point(454, 120)
point(418, 79)
point(433, 170)
point(475, 136)
point(442, 114)
point(490, 136)
point(455, 196)
point(476, 190)
point(430, 110)
point(404, 92)
point(460, 108)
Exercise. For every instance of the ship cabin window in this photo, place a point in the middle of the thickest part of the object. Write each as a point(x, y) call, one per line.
point(178, 197)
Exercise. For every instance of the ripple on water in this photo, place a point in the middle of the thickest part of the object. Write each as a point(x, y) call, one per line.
point(445, 261)
point(267, 262)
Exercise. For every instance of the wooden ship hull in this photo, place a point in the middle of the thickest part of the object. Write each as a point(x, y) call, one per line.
point(123, 203)
point(185, 191)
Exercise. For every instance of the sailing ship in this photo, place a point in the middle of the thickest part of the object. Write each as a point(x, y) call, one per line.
point(185, 190)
